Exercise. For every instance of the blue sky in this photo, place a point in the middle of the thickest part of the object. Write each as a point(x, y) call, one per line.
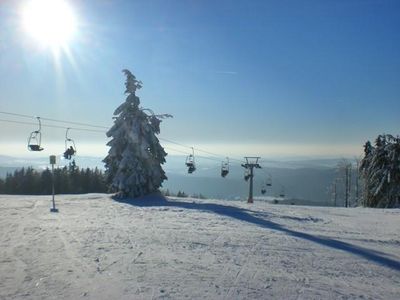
point(274, 78)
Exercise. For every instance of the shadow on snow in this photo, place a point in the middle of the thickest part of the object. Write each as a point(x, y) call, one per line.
point(246, 216)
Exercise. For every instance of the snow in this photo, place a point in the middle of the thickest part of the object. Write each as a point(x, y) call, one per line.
point(100, 248)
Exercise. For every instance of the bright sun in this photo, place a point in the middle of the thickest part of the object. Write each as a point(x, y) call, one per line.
point(50, 22)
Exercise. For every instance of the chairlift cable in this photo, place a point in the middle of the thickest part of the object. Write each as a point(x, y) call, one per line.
point(195, 148)
point(51, 126)
point(53, 120)
point(197, 156)
point(104, 127)
point(216, 157)
point(176, 150)
point(172, 142)
point(100, 131)
point(17, 115)
point(75, 123)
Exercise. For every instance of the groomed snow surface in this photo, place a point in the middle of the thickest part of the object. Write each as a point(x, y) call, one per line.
point(152, 248)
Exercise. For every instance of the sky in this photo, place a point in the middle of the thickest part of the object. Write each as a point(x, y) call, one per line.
point(268, 78)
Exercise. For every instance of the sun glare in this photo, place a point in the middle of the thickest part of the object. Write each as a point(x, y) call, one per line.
point(50, 22)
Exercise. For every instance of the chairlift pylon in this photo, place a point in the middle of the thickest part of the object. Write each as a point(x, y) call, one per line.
point(225, 167)
point(190, 162)
point(70, 148)
point(35, 139)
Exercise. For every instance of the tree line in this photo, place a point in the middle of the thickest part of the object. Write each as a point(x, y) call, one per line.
point(67, 180)
point(376, 178)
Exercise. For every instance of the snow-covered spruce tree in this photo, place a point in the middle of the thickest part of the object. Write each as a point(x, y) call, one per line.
point(380, 169)
point(133, 163)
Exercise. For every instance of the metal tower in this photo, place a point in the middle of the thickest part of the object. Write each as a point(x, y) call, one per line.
point(251, 163)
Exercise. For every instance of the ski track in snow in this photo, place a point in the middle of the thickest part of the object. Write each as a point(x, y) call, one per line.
point(100, 248)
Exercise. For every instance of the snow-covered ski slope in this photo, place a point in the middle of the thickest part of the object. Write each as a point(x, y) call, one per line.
point(99, 248)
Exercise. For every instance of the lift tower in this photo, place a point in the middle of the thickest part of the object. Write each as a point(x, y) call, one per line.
point(251, 163)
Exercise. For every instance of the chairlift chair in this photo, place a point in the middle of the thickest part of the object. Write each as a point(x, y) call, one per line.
point(70, 148)
point(246, 174)
point(225, 167)
point(266, 184)
point(190, 163)
point(35, 139)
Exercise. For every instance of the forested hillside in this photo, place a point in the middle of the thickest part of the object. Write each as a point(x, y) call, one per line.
point(67, 180)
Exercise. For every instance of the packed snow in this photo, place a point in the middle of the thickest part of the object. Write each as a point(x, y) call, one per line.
point(155, 248)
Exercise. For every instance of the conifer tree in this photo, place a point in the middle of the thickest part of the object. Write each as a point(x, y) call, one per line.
point(133, 164)
point(380, 169)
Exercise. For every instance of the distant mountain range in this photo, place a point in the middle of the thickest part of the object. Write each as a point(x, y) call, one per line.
point(304, 180)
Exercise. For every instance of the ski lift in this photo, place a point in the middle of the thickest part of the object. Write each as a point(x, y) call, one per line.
point(225, 167)
point(35, 139)
point(267, 183)
point(190, 162)
point(70, 148)
point(246, 174)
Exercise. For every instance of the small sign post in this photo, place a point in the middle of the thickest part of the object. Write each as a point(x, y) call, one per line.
point(53, 162)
